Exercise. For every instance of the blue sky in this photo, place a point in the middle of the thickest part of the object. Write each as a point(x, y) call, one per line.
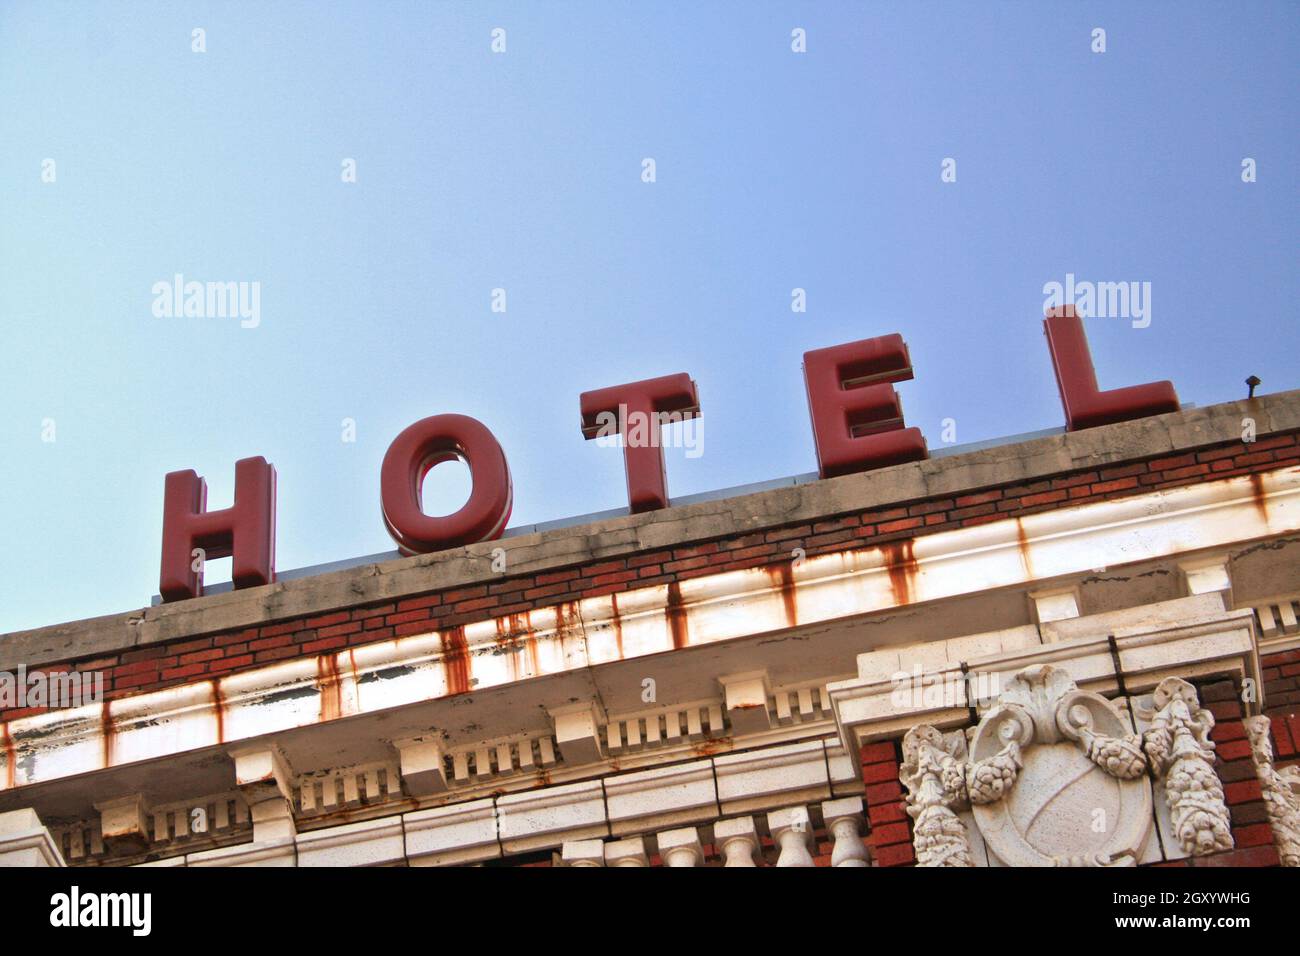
point(478, 170)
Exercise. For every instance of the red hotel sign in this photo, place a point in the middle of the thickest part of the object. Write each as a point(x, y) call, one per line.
point(857, 423)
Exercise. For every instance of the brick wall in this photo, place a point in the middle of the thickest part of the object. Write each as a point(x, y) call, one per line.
point(215, 655)
point(889, 828)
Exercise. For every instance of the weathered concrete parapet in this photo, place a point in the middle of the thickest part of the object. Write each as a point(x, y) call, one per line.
point(24, 841)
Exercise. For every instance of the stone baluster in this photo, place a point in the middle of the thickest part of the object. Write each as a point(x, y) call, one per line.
point(844, 823)
point(627, 852)
point(737, 840)
point(583, 853)
point(792, 830)
point(681, 847)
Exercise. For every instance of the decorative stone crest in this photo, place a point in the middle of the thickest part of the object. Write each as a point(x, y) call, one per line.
point(1055, 778)
point(1180, 750)
point(936, 785)
point(1281, 789)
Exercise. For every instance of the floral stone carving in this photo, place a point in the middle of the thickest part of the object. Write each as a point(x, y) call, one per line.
point(1281, 789)
point(1055, 777)
point(933, 773)
point(1180, 750)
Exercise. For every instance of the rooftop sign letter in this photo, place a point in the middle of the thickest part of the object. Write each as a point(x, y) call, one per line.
point(245, 531)
point(419, 448)
point(637, 410)
point(857, 417)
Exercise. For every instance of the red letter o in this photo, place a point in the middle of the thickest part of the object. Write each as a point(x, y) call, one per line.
point(410, 457)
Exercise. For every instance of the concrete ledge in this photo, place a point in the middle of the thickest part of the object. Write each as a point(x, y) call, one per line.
point(620, 536)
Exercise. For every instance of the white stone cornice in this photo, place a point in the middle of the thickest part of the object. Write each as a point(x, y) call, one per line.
point(661, 797)
point(278, 852)
point(776, 776)
point(379, 842)
point(551, 816)
point(456, 834)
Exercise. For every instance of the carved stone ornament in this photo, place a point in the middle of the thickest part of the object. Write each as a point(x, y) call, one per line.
point(1281, 789)
point(1180, 750)
point(933, 773)
point(1055, 777)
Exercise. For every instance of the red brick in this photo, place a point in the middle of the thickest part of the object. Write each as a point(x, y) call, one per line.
point(1178, 461)
point(903, 524)
point(884, 792)
point(414, 604)
point(1045, 498)
point(694, 551)
point(889, 833)
point(480, 604)
point(1228, 730)
point(242, 661)
point(875, 753)
point(1110, 487)
point(982, 497)
point(1251, 856)
point(139, 667)
point(1257, 834)
point(145, 654)
point(325, 620)
point(328, 644)
point(239, 637)
point(879, 772)
point(555, 577)
point(1233, 750)
point(420, 615)
point(1122, 471)
point(187, 671)
point(900, 854)
point(1241, 792)
point(886, 813)
point(351, 627)
point(279, 640)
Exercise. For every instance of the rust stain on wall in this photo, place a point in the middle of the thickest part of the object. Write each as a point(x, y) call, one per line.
point(709, 748)
point(11, 757)
point(219, 709)
point(1257, 495)
point(617, 623)
point(901, 565)
point(455, 660)
point(1022, 542)
point(331, 690)
point(677, 617)
point(530, 645)
point(510, 631)
point(106, 733)
point(782, 578)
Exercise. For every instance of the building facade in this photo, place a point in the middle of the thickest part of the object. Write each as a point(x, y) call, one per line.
point(1075, 649)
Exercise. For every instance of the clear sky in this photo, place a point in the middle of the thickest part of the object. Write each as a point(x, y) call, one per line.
point(522, 170)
